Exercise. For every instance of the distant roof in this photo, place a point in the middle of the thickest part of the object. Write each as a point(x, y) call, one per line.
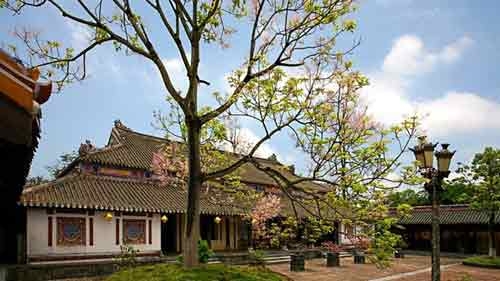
point(449, 214)
point(130, 149)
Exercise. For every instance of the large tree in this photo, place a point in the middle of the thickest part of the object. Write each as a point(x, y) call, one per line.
point(293, 78)
point(453, 193)
point(482, 177)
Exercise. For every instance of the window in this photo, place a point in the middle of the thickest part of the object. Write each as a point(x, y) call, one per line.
point(134, 231)
point(71, 232)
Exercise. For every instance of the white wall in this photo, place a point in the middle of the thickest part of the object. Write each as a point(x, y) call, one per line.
point(343, 239)
point(104, 234)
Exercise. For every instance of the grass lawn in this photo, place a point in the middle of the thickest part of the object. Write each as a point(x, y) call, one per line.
point(171, 272)
point(483, 261)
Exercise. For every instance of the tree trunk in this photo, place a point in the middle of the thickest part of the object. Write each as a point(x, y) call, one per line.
point(491, 236)
point(192, 234)
point(436, 263)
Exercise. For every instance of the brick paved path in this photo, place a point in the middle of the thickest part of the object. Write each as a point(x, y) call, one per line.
point(317, 271)
point(424, 271)
point(459, 273)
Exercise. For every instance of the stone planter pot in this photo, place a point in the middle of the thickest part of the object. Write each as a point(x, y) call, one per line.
point(359, 257)
point(297, 262)
point(332, 259)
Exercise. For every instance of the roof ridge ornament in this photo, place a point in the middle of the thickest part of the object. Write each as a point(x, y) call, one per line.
point(119, 124)
point(86, 148)
point(273, 158)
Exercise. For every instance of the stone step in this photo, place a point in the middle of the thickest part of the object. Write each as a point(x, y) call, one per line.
point(277, 260)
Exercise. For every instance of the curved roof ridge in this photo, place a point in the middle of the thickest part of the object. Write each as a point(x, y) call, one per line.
point(51, 183)
point(81, 176)
point(131, 131)
point(448, 206)
point(101, 149)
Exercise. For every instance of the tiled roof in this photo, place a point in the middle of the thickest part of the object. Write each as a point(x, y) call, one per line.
point(449, 214)
point(130, 195)
point(130, 149)
point(116, 194)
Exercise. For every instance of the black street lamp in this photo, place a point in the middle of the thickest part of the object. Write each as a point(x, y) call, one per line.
point(424, 154)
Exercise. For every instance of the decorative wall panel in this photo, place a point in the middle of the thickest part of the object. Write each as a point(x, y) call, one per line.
point(71, 232)
point(134, 231)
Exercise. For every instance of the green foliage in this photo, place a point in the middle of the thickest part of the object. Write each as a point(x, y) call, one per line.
point(128, 256)
point(456, 193)
point(482, 177)
point(314, 228)
point(283, 232)
point(35, 181)
point(204, 252)
point(179, 259)
point(383, 243)
point(408, 196)
point(483, 261)
point(453, 193)
point(63, 161)
point(166, 272)
point(256, 257)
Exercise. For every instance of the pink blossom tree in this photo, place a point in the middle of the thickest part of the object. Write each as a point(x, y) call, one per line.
point(266, 208)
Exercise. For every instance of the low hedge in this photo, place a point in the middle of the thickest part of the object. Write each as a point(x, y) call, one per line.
point(215, 272)
point(483, 261)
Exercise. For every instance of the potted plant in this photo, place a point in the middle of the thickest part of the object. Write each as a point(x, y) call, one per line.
point(360, 244)
point(332, 253)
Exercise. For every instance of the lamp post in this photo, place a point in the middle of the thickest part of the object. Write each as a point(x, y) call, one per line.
point(424, 154)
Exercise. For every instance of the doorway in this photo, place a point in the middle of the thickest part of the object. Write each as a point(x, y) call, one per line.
point(169, 235)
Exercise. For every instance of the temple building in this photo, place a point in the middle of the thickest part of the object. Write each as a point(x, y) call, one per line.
point(109, 197)
point(463, 229)
point(21, 96)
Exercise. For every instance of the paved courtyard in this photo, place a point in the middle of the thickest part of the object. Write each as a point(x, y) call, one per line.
point(317, 271)
point(411, 268)
point(459, 273)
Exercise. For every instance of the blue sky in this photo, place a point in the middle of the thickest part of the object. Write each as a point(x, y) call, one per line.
point(438, 58)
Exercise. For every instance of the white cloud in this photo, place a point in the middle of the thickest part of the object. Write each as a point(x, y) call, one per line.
point(409, 56)
point(454, 112)
point(173, 65)
point(386, 98)
point(245, 140)
point(80, 36)
point(177, 73)
point(453, 51)
point(460, 112)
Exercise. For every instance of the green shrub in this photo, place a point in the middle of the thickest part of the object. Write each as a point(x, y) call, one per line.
point(180, 259)
point(204, 252)
point(128, 254)
point(212, 272)
point(483, 261)
point(256, 257)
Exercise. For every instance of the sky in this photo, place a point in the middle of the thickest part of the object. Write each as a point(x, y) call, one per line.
point(435, 58)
